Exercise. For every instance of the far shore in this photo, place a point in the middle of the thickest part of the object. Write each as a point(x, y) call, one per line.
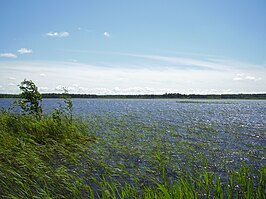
point(151, 96)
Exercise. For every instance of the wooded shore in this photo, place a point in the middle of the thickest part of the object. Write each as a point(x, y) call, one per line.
point(150, 96)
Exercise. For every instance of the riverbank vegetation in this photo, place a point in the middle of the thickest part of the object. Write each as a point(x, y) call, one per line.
point(61, 156)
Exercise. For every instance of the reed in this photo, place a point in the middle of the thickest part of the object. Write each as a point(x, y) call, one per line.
point(52, 158)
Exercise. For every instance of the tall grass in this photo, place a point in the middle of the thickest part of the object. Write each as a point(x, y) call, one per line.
point(53, 157)
point(39, 157)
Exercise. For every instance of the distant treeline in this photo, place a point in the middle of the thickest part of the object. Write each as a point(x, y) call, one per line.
point(164, 96)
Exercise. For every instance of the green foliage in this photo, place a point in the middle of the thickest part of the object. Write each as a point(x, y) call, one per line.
point(37, 156)
point(65, 110)
point(38, 152)
point(30, 101)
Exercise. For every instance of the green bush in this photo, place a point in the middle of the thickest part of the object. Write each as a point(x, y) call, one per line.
point(30, 101)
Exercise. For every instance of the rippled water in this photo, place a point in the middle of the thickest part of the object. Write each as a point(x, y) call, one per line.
point(224, 131)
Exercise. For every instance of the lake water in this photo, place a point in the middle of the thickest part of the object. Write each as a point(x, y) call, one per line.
point(226, 132)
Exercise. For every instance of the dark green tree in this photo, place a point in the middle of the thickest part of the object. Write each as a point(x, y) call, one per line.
point(30, 98)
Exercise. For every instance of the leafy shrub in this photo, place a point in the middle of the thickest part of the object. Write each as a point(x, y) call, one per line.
point(30, 101)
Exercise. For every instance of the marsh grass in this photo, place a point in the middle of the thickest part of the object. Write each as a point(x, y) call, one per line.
point(39, 157)
point(58, 157)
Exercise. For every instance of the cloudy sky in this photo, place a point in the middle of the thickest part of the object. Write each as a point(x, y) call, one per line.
point(134, 47)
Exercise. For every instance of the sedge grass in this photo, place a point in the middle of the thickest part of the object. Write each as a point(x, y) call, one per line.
point(52, 158)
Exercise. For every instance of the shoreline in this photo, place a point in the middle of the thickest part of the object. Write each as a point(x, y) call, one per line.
point(147, 96)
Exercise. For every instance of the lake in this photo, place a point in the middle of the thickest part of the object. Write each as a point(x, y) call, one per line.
point(221, 134)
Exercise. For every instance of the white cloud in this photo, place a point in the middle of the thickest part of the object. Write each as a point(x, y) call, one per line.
point(242, 76)
point(24, 51)
point(70, 89)
point(140, 90)
point(226, 90)
point(8, 55)
point(195, 63)
point(238, 79)
point(213, 90)
point(42, 75)
point(106, 34)
point(116, 89)
point(59, 88)
point(81, 89)
point(12, 78)
point(250, 78)
point(102, 79)
point(2, 88)
point(43, 88)
point(57, 34)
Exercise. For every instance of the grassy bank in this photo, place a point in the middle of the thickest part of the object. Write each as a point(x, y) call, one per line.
point(38, 157)
point(59, 157)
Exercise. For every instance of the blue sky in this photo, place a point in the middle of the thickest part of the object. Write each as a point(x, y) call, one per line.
point(134, 47)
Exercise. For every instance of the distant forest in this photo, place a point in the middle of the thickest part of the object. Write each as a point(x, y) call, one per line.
point(164, 96)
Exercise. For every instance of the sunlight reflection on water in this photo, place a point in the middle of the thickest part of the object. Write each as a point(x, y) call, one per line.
point(232, 130)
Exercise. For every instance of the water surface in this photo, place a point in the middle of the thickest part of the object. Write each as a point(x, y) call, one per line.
point(225, 132)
